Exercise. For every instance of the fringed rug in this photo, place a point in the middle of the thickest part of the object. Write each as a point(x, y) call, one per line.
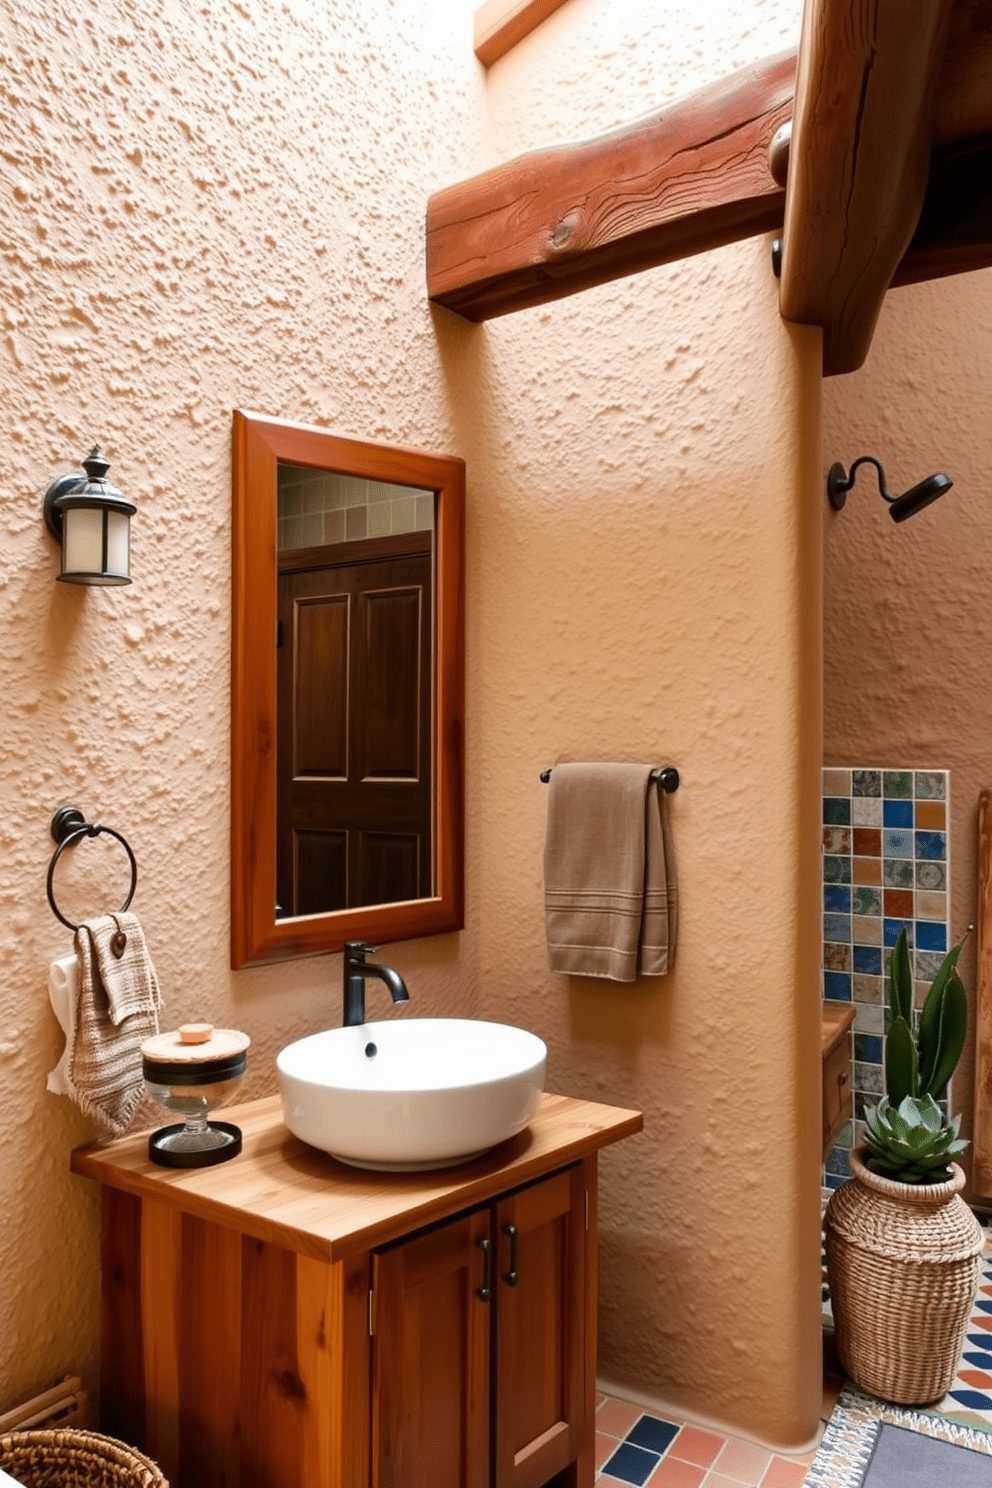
point(852, 1435)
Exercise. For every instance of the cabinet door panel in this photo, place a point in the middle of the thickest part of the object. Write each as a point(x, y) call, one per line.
point(430, 1360)
point(539, 1330)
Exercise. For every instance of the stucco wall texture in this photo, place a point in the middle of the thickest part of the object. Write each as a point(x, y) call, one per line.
point(223, 207)
point(907, 631)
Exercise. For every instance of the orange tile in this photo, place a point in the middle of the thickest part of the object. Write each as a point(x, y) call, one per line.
point(717, 1480)
point(784, 1474)
point(867, 870)
point(977, 1378)
point(670, 1473)
point(605, 1447)
point(616, 1417)
point(930, 814)
point(985, 1323)
point(694, 1445)
point(743, 1461)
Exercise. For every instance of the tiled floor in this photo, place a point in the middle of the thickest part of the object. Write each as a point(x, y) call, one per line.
point(635, 1446)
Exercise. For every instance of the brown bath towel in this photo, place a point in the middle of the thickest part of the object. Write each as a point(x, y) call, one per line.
point(609, 873)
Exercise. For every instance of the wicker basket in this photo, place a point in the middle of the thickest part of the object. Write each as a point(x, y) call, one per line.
point(75, 1459)
point(902, 1260)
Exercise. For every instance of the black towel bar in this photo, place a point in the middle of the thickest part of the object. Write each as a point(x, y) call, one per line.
point(666, 775)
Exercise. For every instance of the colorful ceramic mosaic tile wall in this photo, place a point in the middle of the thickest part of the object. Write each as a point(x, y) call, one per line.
point(885, 868)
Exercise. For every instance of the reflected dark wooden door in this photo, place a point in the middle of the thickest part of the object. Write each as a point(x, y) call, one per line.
point(354, 766)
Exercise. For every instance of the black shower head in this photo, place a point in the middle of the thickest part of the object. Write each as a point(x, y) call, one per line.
point(900, 507)
point(919, 496)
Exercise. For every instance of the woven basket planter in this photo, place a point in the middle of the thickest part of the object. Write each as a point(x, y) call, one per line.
point(75, 1459)
point(902, 1261)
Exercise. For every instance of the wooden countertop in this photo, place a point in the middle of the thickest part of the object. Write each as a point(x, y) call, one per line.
point(280, 1190)
point(837, 1019)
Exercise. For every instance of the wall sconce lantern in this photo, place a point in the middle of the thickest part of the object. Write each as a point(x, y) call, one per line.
point(92, 521)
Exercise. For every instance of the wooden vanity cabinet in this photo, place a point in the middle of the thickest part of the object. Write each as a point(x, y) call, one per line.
point(478, 1342)
point(284, 1321)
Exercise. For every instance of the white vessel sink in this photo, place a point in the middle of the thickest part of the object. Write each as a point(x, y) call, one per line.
point(412, 1092)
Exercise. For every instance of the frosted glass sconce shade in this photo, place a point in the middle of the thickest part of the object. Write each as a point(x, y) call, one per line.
point(92, 521)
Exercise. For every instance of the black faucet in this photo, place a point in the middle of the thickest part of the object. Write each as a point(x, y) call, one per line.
point(355, 972)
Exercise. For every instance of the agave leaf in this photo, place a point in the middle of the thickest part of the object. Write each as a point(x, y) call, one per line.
point(930, 1114)
point(901, 1061)
point(910, 1113)
point(871, 1120)
point(953, 1026)
point(901, 980)
point(930, 1019)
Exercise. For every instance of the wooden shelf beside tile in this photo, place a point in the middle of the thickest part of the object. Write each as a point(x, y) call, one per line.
point(838, 1018)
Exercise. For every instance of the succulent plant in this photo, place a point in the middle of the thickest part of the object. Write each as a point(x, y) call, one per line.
point(911, 1143)
point(907, 1136)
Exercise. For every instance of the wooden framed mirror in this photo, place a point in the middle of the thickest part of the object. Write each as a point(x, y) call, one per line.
point(347, 678)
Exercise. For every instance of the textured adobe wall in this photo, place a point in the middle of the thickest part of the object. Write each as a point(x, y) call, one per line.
point(224, 207)
point(642, 586)
point(907, 629)
point(220, 206)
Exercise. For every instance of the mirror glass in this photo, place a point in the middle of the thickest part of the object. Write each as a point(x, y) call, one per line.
point(354, 685)
point(348, 688)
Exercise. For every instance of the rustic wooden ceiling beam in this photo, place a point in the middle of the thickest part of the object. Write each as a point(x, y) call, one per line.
point(500, 24)
point(560, 220)
point(862, 129)
point(954, 233)
point(679, 182)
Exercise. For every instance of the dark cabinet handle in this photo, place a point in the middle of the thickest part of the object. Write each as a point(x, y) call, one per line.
point(510, 1277)
point(486, 1289)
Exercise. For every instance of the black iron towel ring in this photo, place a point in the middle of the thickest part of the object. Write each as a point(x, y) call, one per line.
point(69, 826)
point(667, 777)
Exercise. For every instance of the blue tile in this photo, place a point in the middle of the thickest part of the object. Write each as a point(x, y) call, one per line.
point(972, 1400)
point(653, 1434)
point(980, 1361)
point(832, 1180)
point(983, 1304)
point(838, 1162)
point(980, 1340)
point(897, 843)
point(931, 935)
point(836, 811)
point(868, 960)
point(931, 845)
point(897, 814)
point(836, 870)
point(837, 986)
point(868, 1046)
point(632, 1464)
point(837, 927)
point(837, 898)
point(891, 928)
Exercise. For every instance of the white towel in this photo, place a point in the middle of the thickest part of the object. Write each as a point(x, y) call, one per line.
point(63, 994)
